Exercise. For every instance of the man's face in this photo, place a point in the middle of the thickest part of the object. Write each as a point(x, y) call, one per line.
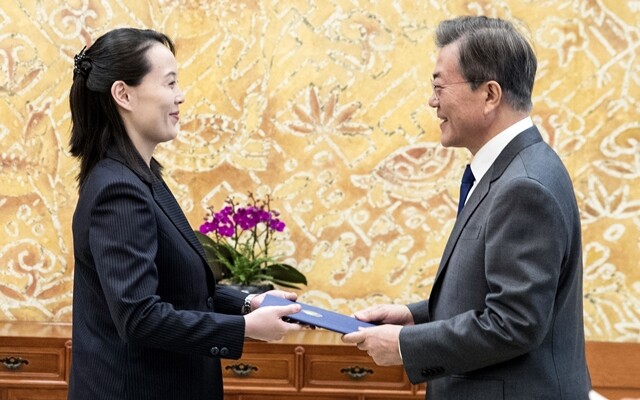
point(460, 109)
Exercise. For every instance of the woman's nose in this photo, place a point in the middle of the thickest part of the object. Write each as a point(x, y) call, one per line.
point(180, 97)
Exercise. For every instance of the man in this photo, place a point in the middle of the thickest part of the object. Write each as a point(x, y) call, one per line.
point(504, 318)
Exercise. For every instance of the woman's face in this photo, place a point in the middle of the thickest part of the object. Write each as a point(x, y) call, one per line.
point(154, 102)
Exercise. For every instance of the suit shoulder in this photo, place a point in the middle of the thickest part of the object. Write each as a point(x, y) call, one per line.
point(108, 170)
point(542, 162)
point(109, 174)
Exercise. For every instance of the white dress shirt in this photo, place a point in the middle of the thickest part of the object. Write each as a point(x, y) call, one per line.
point(488, 153)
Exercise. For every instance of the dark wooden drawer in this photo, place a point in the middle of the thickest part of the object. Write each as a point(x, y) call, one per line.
point(260, 370)
point(298, 396)
point(37, 364)
point(36, 394)
point(395, 396)
point(359, 373)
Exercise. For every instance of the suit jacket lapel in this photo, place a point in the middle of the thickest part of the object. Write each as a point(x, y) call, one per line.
point(170, 206)
point(523, 140)
point(165, 200)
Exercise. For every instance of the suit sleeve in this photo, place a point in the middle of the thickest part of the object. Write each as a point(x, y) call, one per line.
point(123, 238)
point(419, 311)
point(524, 245)
point(229, 301)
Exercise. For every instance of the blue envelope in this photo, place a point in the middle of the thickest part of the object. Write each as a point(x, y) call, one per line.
point(319, 317)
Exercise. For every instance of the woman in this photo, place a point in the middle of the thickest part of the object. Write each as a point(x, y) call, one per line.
point(148, 319)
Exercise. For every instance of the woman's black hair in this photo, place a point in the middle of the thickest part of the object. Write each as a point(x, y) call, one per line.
point(118, 55)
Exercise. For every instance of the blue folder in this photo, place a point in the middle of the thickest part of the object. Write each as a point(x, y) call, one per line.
point(318, 317)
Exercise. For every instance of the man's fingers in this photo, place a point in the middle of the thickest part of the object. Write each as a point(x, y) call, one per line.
point(371, 314)
point(362, 316)
point(354, 337)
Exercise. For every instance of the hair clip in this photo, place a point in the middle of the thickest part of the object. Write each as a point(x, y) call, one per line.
point(82, 63)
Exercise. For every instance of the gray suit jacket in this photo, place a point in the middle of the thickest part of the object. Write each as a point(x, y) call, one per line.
point(504, 318)
point(148, 319)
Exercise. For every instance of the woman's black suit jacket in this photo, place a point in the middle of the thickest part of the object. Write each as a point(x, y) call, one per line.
point(148, 319)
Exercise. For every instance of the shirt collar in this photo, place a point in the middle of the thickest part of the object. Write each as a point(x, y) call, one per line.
point(488, 153)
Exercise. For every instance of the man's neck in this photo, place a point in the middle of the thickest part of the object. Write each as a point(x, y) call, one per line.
point(506, 118)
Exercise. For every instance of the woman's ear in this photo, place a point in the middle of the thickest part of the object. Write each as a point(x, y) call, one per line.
point(494, 96)
point(121, 95)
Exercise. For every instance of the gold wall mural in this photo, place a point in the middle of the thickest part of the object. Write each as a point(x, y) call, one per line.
point(323, 104)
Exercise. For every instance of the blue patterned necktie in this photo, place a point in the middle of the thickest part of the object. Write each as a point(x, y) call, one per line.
point(465, 186)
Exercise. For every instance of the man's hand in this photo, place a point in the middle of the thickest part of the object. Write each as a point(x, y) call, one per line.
point(386, 314)
point(380, 342)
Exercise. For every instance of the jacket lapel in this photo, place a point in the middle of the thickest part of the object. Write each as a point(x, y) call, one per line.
point(525, 139)
point(165, 200)
point(170, 206)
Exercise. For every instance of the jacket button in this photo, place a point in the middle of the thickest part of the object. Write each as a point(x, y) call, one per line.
point(214, 351)
point(210, 302)
point(224, 352)
point(426, 372)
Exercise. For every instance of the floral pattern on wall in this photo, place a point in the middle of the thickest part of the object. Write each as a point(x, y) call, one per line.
point(323, 105)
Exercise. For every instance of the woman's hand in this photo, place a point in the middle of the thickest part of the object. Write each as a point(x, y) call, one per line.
point(256, 301)
point(266, 323)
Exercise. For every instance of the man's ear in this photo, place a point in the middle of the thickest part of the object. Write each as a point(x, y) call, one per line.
point(121, 95)
point(494, 95)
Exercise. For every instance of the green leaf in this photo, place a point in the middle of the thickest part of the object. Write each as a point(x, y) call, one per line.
point(212, 253)
point(285, 273)
point(284, 284)
point(241, 266)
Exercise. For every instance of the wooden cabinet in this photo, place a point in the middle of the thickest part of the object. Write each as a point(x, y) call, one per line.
point(261, 370)
point(313, 365)
point(35, 360)
point(615, 369)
